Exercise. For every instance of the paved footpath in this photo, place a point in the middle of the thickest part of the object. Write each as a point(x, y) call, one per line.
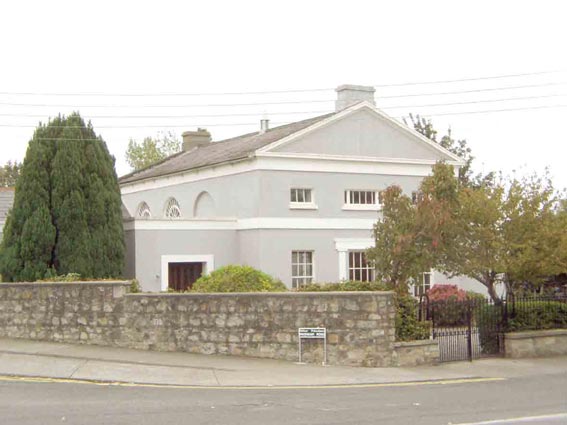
point(25, 358)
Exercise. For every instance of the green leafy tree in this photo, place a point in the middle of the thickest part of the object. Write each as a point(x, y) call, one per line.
point(479, 247)
point(66, 216)
point(151, 150)
point(9, 173)
point(413, 238)
point(396, 254)
point(510, 232)
point(534, 233)
point(458, 147)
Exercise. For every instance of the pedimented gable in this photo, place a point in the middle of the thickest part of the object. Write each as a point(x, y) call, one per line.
point(363, 133)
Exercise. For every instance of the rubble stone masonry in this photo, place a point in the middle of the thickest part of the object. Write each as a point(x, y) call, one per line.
point(360, 325)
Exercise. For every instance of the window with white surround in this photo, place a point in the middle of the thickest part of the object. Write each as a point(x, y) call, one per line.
point(362, 199)
point(301, 268)
point(424, 284)
point(143, 210)
point(301, 198)
point(172, 209)
point(359, 268)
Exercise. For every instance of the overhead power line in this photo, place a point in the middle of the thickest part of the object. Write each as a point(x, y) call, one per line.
point(493, 110)
point(169, 116)
point(462, 80)
point(178, 116)
point(262, 92)
point(280, 123)
point(475, 90)
point(491, 89)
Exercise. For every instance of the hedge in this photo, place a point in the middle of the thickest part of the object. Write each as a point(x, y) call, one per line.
point(536, 315)
point(235, 278)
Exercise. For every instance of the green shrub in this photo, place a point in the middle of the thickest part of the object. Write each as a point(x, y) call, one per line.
point(450, 313)
point(69, 277)
point(349, 285)
point(135, 286)
point(235, 278)
point(534, 315)
point(488, 319)
point(475, 297)
point(408, 327)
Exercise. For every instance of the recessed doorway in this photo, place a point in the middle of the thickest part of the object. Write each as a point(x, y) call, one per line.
point(181, 276)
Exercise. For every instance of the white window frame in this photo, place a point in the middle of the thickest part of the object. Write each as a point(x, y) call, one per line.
point(207, 260)
point(368, 269)
point(298, 205)
point(143, 211)
point(350, 194)
point(312, 277)
point(172, 204)
point(344, 245)
point(420, 287)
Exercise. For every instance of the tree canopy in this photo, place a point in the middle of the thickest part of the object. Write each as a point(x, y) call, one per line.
point(9, 173)
point(504, 230)
point(151, 150)
point(457, 147)
point(66, 216)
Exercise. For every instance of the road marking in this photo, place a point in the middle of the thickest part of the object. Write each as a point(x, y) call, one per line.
point(246, 387)
point(523, 419)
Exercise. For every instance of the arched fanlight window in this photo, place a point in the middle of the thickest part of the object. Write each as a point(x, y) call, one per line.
point(172, 209)
point(144, 210)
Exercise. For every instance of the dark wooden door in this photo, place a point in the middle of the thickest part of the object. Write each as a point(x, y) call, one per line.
point(183, 275)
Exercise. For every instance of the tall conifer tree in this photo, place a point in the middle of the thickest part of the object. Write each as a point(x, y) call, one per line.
point(66, 216)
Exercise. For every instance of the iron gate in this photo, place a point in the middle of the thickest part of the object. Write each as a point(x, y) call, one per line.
point(467, 329)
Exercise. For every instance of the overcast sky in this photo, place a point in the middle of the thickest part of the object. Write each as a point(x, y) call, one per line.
point(135, 68)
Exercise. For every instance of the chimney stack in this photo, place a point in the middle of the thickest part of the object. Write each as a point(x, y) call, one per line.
point(348, 95)
point(264, 125)
point(193, 139)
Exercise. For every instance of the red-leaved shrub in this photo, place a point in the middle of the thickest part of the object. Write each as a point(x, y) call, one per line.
point(446, 293)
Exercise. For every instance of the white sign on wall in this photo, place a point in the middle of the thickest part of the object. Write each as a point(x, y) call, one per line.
point(313, 333)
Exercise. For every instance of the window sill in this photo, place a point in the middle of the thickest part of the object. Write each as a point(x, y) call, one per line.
point(302, 206)
point(365, 207)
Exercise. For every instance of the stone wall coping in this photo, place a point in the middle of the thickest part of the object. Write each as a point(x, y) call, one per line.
point(322, 294)
point(77, 283)
point(417, 343)
point(535, 334)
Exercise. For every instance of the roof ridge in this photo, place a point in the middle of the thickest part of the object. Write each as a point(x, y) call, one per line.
point(219, 152)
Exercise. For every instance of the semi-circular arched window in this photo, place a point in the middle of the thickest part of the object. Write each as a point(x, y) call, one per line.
point(204, 206)
point(143, 210)
point(172, 209)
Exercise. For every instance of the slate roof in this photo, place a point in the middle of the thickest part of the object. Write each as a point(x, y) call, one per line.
point(218, 152)
point(6, 201)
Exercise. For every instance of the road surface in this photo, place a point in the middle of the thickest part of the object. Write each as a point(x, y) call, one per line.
point(536, 400)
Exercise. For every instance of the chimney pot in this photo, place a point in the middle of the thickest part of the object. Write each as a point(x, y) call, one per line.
point(193, 139)
point(348, 95)
point(264, 125)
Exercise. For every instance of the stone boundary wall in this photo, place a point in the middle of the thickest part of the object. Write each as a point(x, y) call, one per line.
point(543, 343)
point(360, 325)
point(416, 353)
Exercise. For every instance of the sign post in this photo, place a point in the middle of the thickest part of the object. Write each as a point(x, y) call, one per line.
point(313, 333)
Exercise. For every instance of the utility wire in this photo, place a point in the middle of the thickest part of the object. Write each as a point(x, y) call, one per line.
point(476, 90)
point(508, 99)
point(491, 110)
point(461, 80)
point(178, 116)
point(273, 91)
point(288, 102)
point(287, 122)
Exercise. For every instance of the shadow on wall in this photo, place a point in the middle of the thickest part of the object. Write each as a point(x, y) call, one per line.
point(204, 206)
